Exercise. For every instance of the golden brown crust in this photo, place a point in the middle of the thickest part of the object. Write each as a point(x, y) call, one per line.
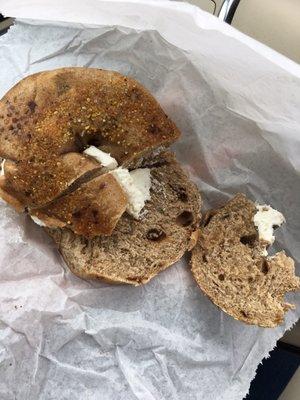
point(70, 167)
point(55, 112)
point(92, 209)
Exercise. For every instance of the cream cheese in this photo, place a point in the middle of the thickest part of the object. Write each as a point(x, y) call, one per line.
point(265, 219)
point(2, 167)
point(136, 185)
point(142, 180)
point(103, 158)
point(37, 220)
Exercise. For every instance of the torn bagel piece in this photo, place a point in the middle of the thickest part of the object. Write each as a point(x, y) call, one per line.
point(85, 155)
point(231, 266)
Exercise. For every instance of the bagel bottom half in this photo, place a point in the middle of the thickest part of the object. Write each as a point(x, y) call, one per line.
point(137, 250)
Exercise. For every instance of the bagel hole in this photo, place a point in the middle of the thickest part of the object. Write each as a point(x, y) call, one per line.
point(82, 142)
point(94, 141)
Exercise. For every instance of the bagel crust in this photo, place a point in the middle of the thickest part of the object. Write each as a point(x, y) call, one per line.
point(49, 118)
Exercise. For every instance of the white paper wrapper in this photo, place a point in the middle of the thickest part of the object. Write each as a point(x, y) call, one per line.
point(237, 105)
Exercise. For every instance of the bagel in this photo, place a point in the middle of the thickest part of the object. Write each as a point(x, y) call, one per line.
point(48, 119)
point(137, 251)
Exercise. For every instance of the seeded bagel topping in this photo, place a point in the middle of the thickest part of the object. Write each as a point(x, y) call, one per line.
point(49, 119)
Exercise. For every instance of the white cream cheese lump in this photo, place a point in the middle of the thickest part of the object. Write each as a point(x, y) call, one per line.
point(103, 158)
point(265, 219)
point(2, 167)
point(37, 221)
point(136, 184)
point(142, 180)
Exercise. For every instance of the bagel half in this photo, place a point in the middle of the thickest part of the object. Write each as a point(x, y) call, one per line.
point(49, 118)
point(138, 250)
point(230, 266)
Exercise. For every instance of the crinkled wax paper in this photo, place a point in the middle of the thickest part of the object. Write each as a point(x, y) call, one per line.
point(237, 105)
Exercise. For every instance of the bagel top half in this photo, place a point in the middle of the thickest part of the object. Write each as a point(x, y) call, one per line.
point(49, 118)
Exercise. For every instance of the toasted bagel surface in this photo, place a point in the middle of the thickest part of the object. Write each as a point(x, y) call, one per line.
point(55, 112)
point(49, 118)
